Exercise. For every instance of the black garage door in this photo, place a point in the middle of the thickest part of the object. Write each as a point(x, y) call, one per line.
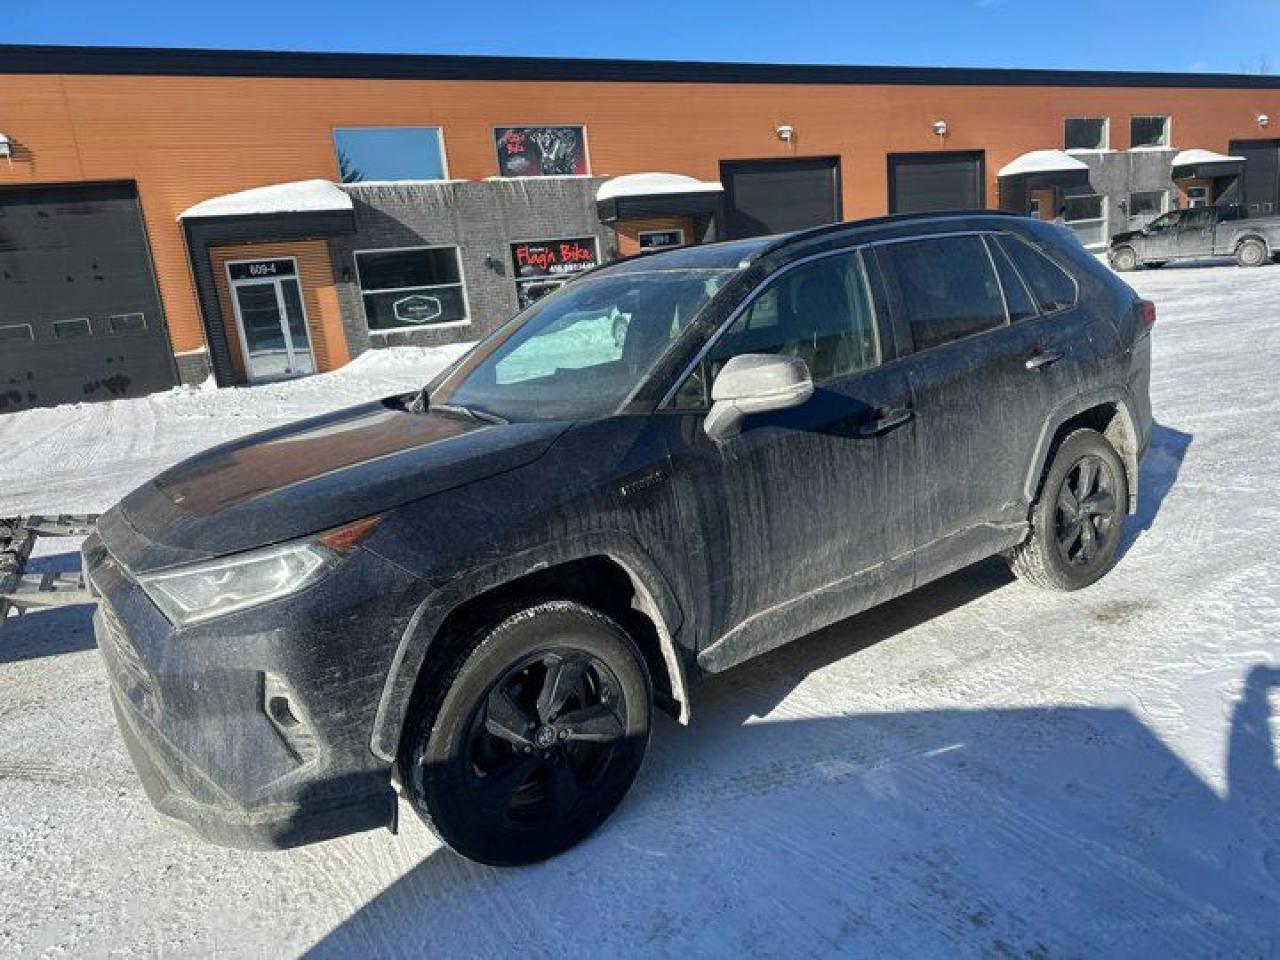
point(777, 196)
point(79, 313)
point(1261, 179)
point(948, 180)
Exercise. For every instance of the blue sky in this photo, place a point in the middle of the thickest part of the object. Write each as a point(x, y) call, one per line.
point(1181, 35)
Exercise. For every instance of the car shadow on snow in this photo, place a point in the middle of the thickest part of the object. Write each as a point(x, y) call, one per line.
point(1157, 476)
point(50, 632)
point(1011, 832)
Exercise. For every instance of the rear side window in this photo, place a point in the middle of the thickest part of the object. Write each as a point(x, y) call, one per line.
point(1052, 286)
point(945, 287)
point(818, 311)
point(1016, 297)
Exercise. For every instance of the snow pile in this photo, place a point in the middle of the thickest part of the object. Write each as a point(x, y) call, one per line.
point(82, 458)
point(1042, 161)
point(653, 185)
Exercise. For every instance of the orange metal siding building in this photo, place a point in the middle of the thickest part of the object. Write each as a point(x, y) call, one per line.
point(183, 134)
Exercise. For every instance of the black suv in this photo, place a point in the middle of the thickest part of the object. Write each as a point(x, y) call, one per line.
point(474, 595)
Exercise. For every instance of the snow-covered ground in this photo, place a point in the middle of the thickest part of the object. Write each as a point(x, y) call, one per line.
point(978, 769)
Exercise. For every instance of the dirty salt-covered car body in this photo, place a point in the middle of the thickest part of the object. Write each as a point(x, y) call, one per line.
point(1198, 233)
point(473, 596)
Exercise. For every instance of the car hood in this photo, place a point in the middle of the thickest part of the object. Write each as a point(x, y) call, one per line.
point(309, 476)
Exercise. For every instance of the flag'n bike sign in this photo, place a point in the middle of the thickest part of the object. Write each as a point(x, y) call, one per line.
point(553, 258)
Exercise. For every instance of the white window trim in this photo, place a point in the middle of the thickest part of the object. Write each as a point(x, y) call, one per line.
point(444, 150)
point(1168, 131)
point(641, 234)
point(31, 333)
point(462, 282)
point(1106, 136)
point(1104, 220)
point(586, 150)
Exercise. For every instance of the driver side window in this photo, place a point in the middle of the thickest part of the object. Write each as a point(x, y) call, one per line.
point(819, 312)
point(1167, 222)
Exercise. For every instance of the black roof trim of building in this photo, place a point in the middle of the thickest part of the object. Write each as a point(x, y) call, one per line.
point(154, 61)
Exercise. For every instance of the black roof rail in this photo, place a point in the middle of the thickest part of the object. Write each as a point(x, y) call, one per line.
point(787, 239)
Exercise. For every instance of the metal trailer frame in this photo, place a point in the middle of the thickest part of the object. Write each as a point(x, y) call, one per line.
point(21, 591)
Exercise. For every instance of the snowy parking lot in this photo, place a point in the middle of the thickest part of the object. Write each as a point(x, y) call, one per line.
point(976, 769)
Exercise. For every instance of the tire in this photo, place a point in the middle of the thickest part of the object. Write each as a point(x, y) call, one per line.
point(530, 736)
point(1042, 559)
point(1124, 259)
point(1252, 253)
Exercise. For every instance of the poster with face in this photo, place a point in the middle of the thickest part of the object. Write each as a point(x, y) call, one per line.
point(541, 151)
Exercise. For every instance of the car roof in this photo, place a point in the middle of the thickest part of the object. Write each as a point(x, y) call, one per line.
point(738, 254)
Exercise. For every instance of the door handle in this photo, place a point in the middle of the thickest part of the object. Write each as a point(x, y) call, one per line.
point(886, 418)
point(1043, 359)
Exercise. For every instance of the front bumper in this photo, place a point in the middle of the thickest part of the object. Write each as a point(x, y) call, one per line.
point(253, 730)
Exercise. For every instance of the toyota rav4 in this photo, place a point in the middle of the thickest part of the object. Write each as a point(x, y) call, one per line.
point(474, 596)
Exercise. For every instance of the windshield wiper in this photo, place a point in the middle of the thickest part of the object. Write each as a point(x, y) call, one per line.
point(484, 416)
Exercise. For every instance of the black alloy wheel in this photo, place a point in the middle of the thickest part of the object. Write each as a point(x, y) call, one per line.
point(524, 738)
point(545, 735)
point(1086, 510)
point(1078, 519)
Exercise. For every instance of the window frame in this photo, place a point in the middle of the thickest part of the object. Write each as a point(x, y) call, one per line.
point(438, 128)
point(1164, 202)
point(66, 322)
point(902, 324)
point(874, 303)
point(1168, 131)
point(31, 333)
point(1040, 310)
point(586, 150)
point(1106, 135)
point(461, 282)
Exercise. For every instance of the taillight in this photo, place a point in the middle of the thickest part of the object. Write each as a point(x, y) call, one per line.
point(1146, 313)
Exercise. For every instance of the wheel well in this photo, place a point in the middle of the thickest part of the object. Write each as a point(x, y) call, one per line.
point(1113, 423)
point(598, 582)
point(1240, 241)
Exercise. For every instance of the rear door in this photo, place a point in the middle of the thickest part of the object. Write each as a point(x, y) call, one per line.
point(979, 407)
point(1195, 236)
point(806, 516)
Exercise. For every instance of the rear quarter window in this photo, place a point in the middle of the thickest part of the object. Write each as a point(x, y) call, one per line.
point(1051, 285)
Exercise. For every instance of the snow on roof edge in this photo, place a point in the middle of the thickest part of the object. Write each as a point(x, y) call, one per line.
point(654, 184)
point(1042, 161)
point(302, 196)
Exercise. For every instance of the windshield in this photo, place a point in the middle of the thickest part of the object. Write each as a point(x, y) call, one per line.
point(580, 352)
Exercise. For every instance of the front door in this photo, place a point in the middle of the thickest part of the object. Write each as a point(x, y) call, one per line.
point(805, 516)
point(271, 319)
point(1161, 241)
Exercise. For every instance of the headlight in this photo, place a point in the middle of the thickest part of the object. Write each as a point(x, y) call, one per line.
point(213, 588)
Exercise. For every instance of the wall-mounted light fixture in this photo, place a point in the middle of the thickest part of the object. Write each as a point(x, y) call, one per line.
point(940, 129)
point(785, 132)
point(1263, 120)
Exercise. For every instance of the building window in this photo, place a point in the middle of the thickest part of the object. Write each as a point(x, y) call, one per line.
point(1148, 131)
point(651, 240)
point(1198, 196)
point(71, 329)
point(127, 323)
point(412, 287)
point(1146, 204)
point(389, 153)
point(541, 151)
point(16, 333)
point(1086, 133)
point(1087, 218)
point(1033, 208)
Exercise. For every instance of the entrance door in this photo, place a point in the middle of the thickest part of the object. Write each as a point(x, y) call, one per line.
point(942, 180)
point(271, 319)
point(1260, 182)
point(778, 196)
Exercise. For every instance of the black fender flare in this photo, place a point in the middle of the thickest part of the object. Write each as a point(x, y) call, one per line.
point(653, 596)
point(1117, 397)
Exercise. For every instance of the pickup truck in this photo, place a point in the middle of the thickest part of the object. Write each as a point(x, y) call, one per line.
point(1198, 233)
